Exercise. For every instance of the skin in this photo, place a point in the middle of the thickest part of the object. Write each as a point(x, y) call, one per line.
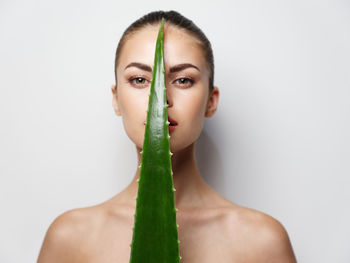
point(211, 228)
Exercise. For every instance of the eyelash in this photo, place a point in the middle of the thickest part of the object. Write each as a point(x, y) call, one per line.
point(131, 81)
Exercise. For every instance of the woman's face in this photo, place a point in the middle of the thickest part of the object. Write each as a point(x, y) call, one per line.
point(186, 87)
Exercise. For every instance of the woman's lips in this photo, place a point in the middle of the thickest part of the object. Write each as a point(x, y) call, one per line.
point(172, 124)
point(171, 128)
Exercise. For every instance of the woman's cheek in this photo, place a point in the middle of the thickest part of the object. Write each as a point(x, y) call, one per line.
point(197, 106)
point(134, 113)
point(196, 115)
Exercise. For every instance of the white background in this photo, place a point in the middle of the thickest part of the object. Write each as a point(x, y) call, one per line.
point(279, 142)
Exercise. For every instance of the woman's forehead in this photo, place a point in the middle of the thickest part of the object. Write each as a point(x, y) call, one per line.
point(179, 47)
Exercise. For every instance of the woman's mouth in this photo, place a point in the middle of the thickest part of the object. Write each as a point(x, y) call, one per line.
point(172, 124)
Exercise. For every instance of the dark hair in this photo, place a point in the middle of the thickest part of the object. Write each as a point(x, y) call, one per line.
point(176, 19)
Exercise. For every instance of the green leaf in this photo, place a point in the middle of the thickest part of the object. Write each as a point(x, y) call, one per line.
point(155, 236)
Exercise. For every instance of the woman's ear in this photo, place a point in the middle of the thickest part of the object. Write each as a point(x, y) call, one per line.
point(115, 100)
point(212, 102)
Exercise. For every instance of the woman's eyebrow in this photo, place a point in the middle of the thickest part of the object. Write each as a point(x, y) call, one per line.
point(173, 69)
point(140, 66)
point(182, 66)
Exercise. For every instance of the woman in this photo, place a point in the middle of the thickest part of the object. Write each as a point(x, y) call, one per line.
point(211, 228)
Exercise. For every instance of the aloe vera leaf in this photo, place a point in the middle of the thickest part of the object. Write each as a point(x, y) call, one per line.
point(155, 236)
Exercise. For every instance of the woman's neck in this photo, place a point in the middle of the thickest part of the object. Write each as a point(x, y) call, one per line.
point(189, 185)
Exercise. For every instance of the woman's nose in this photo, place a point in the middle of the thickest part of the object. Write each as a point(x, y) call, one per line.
point(169, 100)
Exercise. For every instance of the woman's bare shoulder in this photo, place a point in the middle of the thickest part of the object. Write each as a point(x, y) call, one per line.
point(256, 231)
point(68, 233)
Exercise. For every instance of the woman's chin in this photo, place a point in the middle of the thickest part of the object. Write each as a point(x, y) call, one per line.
point(180, 147)
point(177, 145)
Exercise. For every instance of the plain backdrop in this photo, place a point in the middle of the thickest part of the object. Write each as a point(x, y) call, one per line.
point(279, 142)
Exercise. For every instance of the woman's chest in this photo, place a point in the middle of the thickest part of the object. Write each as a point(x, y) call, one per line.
point(197, 251)
point(197, 244)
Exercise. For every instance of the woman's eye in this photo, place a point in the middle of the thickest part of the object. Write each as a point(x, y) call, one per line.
point(184, 82)
point(139, 81)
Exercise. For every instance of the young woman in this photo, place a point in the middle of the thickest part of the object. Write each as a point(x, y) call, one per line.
point(211, 228)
